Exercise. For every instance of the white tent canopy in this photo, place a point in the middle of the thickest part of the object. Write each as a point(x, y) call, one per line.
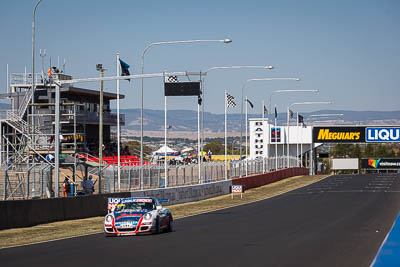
point(187, 149)
point(161, 151)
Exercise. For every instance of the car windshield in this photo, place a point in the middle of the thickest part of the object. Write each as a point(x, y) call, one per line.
point(135, 206)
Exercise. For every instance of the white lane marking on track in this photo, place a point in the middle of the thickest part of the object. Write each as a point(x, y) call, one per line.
point(47, 241)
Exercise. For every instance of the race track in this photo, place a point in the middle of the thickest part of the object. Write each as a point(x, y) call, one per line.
point(339, 221)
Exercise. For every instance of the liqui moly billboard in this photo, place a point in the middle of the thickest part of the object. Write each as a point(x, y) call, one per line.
point(382, 134)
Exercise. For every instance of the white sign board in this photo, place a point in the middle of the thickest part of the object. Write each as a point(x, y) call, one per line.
point(345, 164)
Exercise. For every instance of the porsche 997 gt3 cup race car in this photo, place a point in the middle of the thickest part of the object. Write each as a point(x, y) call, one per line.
point(131, 216)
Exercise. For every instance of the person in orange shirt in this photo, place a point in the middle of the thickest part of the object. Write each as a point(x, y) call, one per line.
point(66, 187)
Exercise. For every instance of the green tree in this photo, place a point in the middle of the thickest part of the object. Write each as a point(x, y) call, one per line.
point(391, 153)
point(356, 151)
point(381, 151)
point(341, 150)
point(369, 151)
point(215, 147)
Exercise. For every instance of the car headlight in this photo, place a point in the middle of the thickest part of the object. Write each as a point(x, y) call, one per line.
point(109, 218)
point(147, 216)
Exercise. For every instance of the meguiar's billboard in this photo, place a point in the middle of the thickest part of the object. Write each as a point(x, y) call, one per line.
point(339, 134)
point(380, 163)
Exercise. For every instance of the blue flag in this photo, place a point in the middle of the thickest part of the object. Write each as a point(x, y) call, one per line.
point(124, 69)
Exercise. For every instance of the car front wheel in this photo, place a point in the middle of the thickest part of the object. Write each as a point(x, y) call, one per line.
point(157, 227)
point(170, 224)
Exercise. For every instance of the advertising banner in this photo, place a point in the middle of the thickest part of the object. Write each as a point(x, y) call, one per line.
point(345, 164)
point(182, 89)
point(382, 134)
point(380, 163)
point(339, 134)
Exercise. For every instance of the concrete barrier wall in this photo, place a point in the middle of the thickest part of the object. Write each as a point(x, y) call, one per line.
point(24, 213)
point(270, 177)
point(177, 195)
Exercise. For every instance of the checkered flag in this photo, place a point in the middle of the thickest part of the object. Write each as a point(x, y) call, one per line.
point(230, 101)
point(171, 79)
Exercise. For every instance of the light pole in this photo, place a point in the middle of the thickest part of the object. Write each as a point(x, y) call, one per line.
point(288, 131)
point(33, 87)
point(225, 41)
point(247, 101)
point(269, 131)
point(203, 88)
point(118, 126)
point(99, 67)
point(233, 146)
point(326, 115)
point(241, 104)
point(33, 53)
point(166, 128)
point(43, 55)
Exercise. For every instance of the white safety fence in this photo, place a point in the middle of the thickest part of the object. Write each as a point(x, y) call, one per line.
point(181, 175)
point(19, 183)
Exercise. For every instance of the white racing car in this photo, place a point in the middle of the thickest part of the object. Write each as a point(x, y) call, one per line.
point(131, 216)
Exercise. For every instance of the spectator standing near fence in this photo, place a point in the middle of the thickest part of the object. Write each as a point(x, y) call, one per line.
point(66, 187)
point(83, 184)
point(89, 186)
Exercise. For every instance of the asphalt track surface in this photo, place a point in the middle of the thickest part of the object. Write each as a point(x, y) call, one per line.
point(339, 221)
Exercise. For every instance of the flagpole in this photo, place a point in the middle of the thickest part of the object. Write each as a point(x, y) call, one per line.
point(297, 139)
point(288, 145)
point(246, 135)
point(198, 139)
point(226, 171)
point(283, 138)
point(262, 114)
point(118, 129)
point(269, 141)
point(165, 143)
point(301, 147)
point(276, 142)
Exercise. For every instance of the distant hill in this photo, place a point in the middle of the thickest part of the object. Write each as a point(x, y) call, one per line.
point(186, 120)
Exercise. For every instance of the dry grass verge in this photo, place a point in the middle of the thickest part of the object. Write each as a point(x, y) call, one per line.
point(71, 228)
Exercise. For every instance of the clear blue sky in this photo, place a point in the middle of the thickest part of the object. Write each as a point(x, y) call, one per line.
point(349, 50)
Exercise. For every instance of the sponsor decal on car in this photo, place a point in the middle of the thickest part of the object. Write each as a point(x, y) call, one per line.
point(145, 200)
point(112, 203)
